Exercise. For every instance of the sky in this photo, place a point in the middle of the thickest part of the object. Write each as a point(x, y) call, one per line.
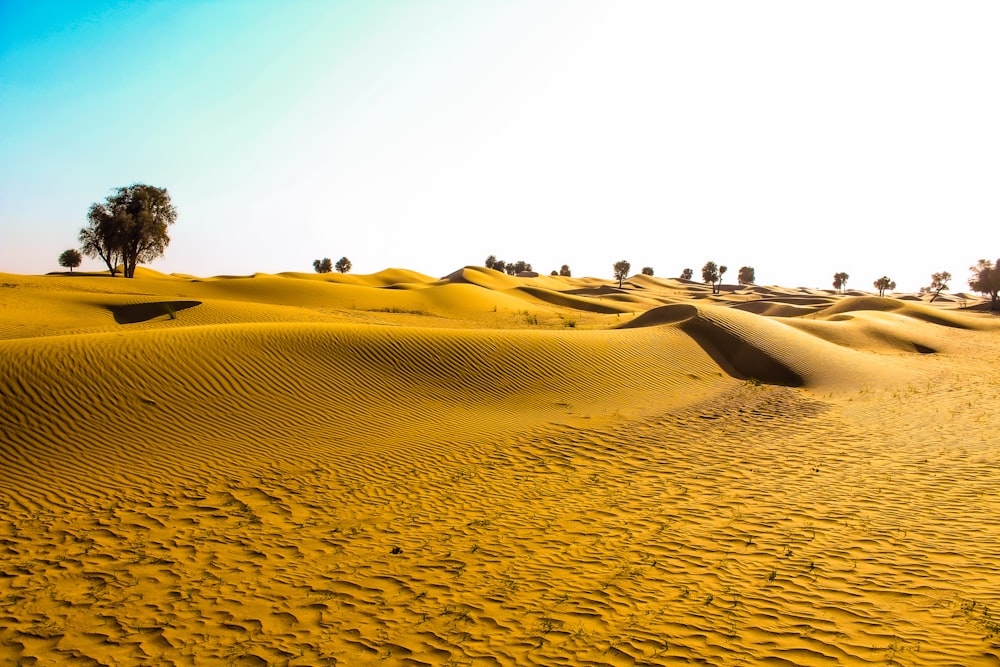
point(800, 138)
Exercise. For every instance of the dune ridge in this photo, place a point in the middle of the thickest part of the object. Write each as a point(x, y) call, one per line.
point(395, 469)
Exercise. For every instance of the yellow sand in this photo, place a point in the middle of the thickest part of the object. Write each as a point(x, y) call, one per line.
point(483, 470)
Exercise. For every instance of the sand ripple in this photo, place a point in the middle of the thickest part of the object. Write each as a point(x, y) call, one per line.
point(306, 493)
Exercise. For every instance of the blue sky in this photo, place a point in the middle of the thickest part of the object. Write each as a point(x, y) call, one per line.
point(801, 138)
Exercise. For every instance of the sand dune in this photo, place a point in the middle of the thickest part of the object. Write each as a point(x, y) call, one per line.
point(395, 469)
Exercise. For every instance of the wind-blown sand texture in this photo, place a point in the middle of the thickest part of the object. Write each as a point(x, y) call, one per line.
point(484, 470)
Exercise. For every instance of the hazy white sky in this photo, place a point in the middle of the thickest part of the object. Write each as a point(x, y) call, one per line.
point(801, 138)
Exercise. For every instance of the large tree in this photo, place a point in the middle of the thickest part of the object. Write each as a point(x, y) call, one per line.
point(883, 284)
point(939, 283)
point(70, 259)
point(100, 238)
point(621, 271)
point(747, 275)
point(130, 227)
point(985, 279)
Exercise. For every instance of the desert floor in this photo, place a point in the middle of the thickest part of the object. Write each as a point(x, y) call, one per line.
point(484, 470)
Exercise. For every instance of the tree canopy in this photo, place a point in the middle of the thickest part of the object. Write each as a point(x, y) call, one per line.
point(510, 268)
point(985, 279)
point(70, 259)
point(647, 270)
point(884, 283)
point(324, 265)
point(564, 271)
point(939, 283)
point(343, 265)
point(746, 275)
point(129, 227)
point(621, 271)
point(712, 273)
point(840, 281)
point(687, 274)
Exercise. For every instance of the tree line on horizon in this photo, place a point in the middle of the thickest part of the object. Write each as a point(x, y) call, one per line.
point(985, 277)
point(131, 227)
point(326, 265)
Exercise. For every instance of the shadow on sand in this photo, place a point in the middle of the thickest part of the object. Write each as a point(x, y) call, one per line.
point(143, 312)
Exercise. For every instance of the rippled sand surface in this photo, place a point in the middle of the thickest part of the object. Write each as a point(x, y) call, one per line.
point(485, 470)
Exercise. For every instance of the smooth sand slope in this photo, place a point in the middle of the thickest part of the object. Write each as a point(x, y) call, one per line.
point(484, 470)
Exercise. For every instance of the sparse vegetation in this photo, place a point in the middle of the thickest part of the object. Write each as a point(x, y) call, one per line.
point(939, 283)
point(647, 270)
point(884, 283)
point(711, 273)
point(343, 265)
point(70, 259)
point(687, 274)
point(511, 269)
point(985, 279)
point(621, 269)
point(840, 281)
point(747, 275)
point(564, 271)
point(324, 265)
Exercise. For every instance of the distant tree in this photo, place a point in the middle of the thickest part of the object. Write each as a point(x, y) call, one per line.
point(70, 259)
point(554, 273)
point(647, 270)
point(687, 274)
point(939, 283)
point(564, 271)
point(511, 269)
point(985, 279)
point(521, 265)
point(840, 281)
point(710, 274)
point(499, 265)
point(746, 276)
point(883, 284)
point(343, 265)
point(621, 271)
point(491, 261)
point(722, 270)
point(324, 265)
point(129, 227)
